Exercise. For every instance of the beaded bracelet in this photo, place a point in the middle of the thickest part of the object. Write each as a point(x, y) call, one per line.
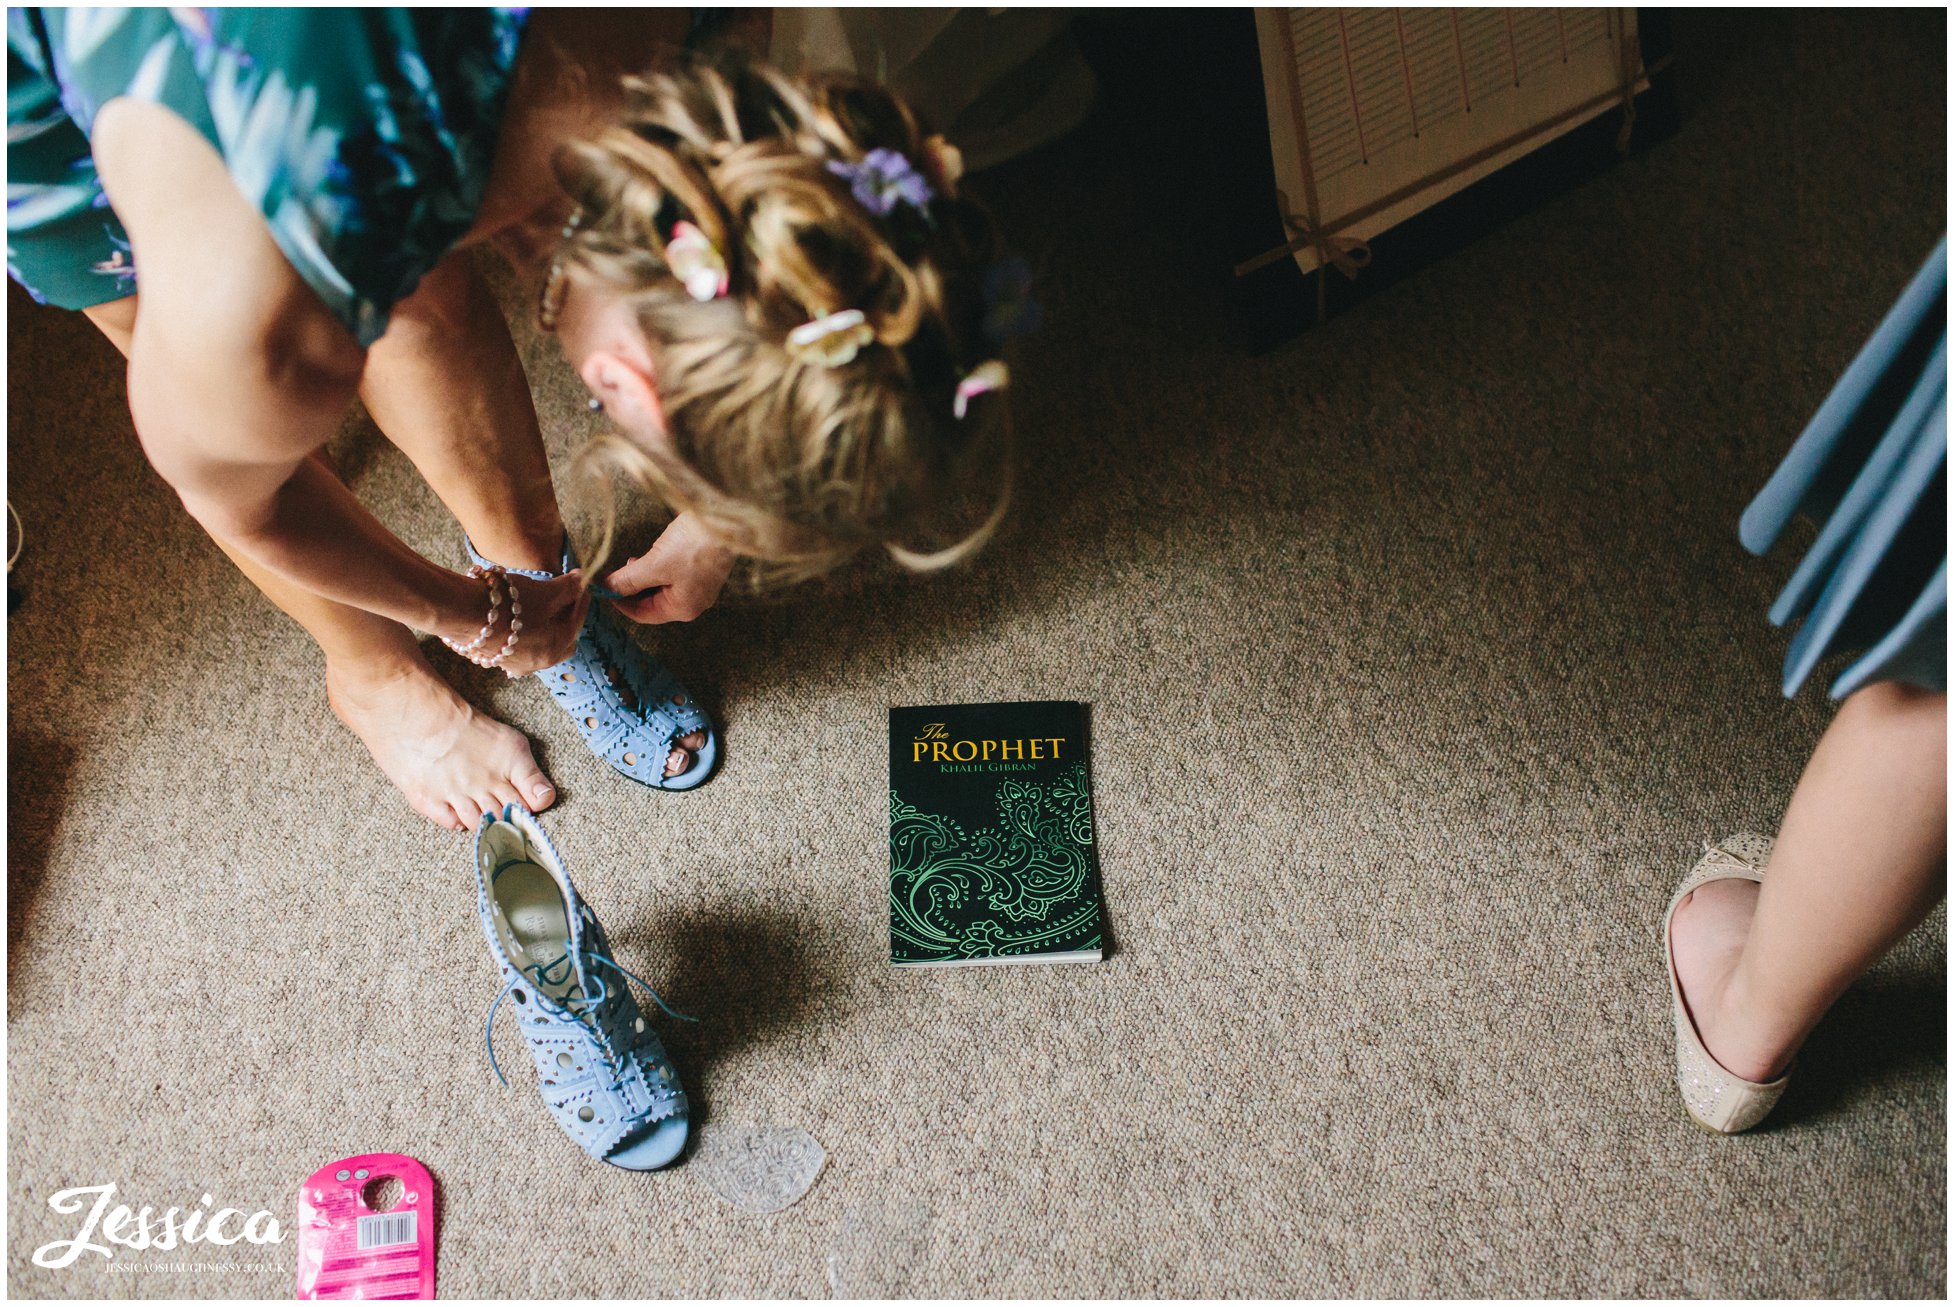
point(515, 630)
point(493, 578)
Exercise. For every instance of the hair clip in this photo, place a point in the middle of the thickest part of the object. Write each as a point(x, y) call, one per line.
point(884, 179)
point(944, 162)
point(982, 379)
point(696, 262)
point(831, 339)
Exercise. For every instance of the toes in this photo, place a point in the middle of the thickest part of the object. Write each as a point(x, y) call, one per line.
point(467, 810)
point(695, 741)
point(534, 788)
point(438, 813)
point(505, 794)
point(676, 762)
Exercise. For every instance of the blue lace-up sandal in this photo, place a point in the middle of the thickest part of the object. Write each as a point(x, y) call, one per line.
point(602, 1071)
point(634, 719)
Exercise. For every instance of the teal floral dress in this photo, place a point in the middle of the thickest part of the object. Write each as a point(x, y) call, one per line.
point(364, 136)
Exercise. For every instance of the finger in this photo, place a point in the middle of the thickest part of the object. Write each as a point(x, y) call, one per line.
point(645, 608)
point(635, 574)
point(567, 601)
point(669, 605)
point(534, 660)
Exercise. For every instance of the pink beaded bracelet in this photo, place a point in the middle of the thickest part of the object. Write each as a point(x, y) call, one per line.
point(515, 629)
point(493, 577)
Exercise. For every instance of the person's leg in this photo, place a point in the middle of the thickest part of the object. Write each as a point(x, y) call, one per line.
point(451, 762)
point(446, 386)
point(1860, 860)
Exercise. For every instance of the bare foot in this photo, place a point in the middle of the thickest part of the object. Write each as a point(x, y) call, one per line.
point(451, 762)
point(1707, 935)
point(681, 755)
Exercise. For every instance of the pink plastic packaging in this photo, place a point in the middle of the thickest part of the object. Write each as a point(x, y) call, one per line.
point(348, 1249)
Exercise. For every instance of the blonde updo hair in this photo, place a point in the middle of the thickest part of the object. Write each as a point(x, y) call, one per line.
point(785, 460)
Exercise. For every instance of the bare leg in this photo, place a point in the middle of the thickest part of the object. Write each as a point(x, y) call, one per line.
point(1860, 861)
point(447, 387)
point(451, 762)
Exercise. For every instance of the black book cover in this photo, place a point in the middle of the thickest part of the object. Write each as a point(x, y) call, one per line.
point(991, 850)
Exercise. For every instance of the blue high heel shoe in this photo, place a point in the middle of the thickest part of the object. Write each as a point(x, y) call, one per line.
point(635, 728)
point(601, 1070)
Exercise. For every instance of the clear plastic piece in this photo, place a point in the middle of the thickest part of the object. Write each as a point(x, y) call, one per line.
point(348, 1248)
point(758, 1168)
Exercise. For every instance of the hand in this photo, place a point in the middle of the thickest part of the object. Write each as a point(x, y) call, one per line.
point(552, 615)
point(675, 580)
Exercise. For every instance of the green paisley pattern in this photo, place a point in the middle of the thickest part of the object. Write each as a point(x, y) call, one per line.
point(1021, 886)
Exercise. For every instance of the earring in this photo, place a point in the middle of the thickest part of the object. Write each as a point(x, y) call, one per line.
point(594, 404)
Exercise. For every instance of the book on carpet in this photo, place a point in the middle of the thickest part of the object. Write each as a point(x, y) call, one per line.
point(991, 851)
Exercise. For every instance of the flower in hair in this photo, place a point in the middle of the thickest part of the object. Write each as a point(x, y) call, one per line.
point(1009, 309)
point(982, 379)
point(696, 262)
point(832, 339)
point(884, 179)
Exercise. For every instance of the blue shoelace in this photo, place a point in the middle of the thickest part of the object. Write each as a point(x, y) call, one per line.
point(579, 1007)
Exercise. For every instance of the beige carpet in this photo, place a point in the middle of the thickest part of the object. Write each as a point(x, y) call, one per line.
point(1422, 657)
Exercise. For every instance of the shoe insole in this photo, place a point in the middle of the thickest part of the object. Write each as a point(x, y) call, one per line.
point(535, 920)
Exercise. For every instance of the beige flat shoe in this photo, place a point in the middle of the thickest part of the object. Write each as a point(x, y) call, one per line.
point(1715, 1099)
